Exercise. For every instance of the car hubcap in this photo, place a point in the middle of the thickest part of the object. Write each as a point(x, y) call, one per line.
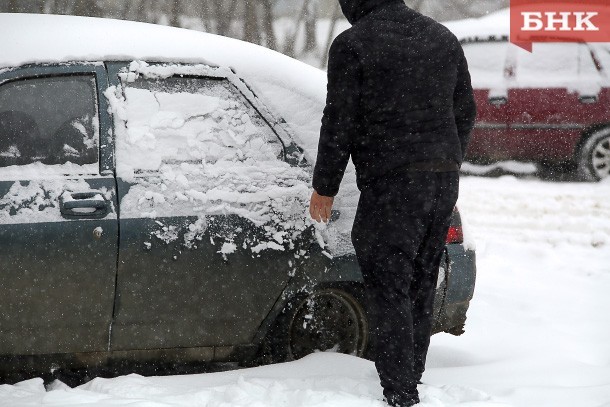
point(601, 158)
point(329, 320)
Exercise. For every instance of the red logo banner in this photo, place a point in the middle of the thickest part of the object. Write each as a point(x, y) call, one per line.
point(559, 21)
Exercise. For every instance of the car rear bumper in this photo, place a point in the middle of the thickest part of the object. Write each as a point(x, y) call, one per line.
point(459, 289)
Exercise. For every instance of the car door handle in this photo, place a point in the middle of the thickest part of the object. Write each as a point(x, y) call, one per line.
point(498, 100)
point(588, 100)
point(88, 205)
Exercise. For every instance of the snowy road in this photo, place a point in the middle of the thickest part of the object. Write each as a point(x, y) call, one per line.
point(538, 332)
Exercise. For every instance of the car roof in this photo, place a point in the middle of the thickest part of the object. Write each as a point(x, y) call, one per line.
point(293, 89)
point(29, 38)
point(43, 38)
point(492, 26)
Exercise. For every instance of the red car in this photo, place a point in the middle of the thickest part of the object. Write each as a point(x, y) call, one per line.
point(551, 106)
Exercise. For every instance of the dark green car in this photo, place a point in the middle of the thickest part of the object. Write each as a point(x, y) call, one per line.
point(157, 211)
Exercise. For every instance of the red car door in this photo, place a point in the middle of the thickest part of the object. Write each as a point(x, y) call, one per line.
point(553, 96)
point(486, 62)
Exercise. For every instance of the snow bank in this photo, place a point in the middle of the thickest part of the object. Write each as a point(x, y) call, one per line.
point(537, 332)
point(535, 212)
point(323, 380)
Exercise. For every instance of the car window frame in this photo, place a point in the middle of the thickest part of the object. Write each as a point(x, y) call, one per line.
point(293, 154)
point(97, 69)
point(503, 41)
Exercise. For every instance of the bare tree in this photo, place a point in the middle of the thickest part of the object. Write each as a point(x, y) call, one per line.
point(251, 26)
point(290, 43)
point(267, 10)
point(86, 8)
point(311, 19)
point(16, 6)
point(331, 34)
point(251, 20)
point(175, 11)
point(11, 6)
point(223, 13)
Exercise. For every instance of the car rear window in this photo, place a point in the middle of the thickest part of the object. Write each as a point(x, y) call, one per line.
point(51, 120)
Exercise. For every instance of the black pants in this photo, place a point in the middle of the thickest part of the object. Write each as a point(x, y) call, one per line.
point(399, 236)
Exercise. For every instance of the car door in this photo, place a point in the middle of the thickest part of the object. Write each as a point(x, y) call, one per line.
point(58, 224)
point(486, 63)
point(553, 96)
point(211, 214)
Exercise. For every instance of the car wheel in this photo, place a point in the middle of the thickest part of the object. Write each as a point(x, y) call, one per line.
point(329, 319)
point(555, 170)
point(594, 157)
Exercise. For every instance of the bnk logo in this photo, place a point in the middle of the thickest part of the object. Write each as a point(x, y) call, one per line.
point(534, 21)
point(556, 21)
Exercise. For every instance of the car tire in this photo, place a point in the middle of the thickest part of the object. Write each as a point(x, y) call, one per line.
point(329, 319)
point(555, 170)
point(594, 156)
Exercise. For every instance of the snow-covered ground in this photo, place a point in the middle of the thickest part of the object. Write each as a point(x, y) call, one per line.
point(538, 332)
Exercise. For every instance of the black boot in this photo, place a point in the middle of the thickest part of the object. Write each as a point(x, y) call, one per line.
point(402, 401)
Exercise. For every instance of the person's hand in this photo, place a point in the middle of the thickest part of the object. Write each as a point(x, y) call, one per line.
point(320, 207)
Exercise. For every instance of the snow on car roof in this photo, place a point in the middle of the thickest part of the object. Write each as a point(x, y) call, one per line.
point(30, 38)
point(288, 85)
point(494, 25)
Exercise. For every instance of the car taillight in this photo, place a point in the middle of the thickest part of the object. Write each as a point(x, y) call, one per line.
point(455, 235)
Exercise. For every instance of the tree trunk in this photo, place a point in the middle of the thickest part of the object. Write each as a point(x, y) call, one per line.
point(223, 15)
point(12, 6)
point(204, 15)
point(251, 27)
point(175, 10)
point(289, 46)
point(311, 19)
point(86, 8)
point(46, 6)
point(268, 24)
point(331, 31)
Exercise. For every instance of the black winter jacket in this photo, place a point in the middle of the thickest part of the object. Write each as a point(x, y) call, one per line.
point(399, 92)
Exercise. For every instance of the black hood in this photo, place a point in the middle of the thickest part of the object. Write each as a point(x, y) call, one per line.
point(354, 10)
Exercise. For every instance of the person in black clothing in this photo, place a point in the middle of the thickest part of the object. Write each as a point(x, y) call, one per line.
point(401, 104)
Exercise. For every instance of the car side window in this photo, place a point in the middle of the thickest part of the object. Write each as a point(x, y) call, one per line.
point(563, 65)
point(51, 120)
point(486, 63)
point(193, 119)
